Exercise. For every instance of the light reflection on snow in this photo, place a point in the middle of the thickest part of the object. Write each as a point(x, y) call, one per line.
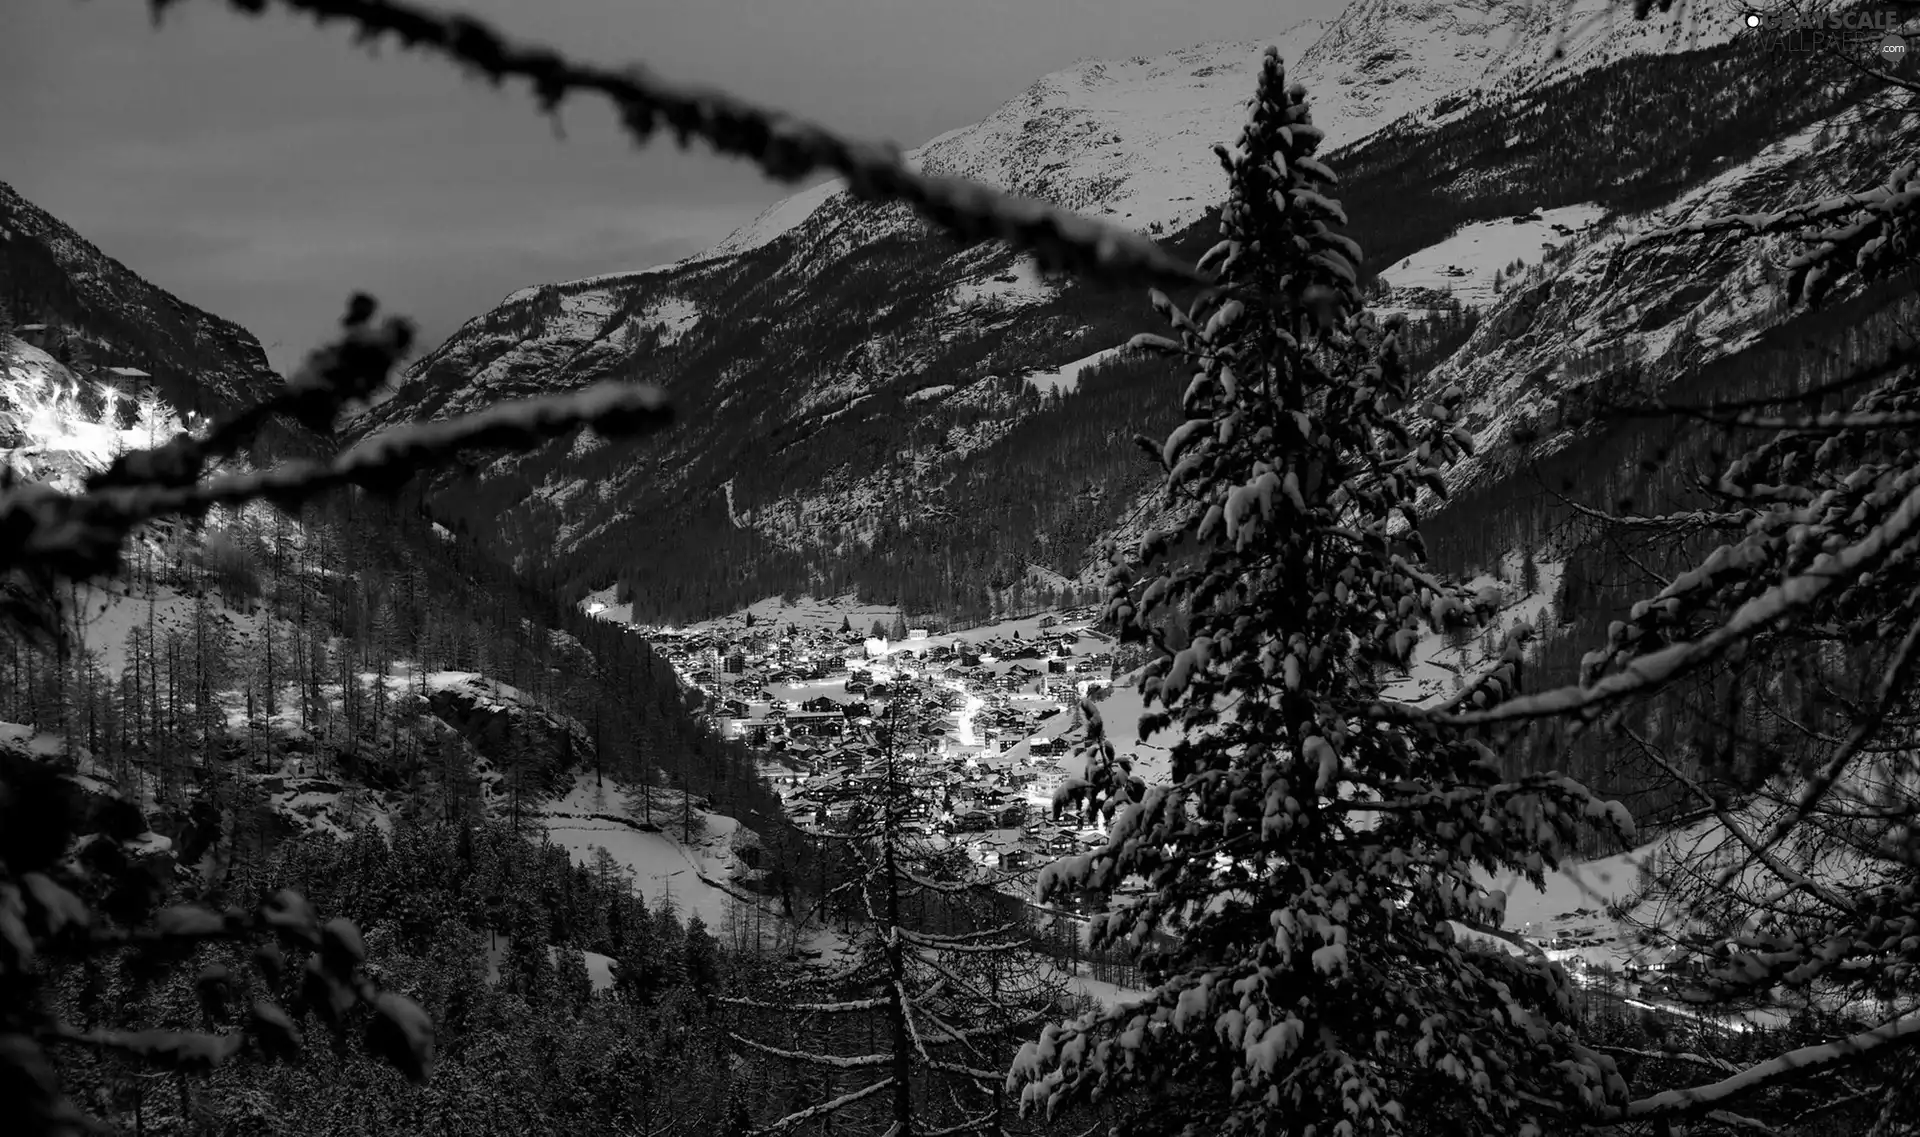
point(51, 410)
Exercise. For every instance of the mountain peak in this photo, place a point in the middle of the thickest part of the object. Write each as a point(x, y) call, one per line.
point(1130, 140)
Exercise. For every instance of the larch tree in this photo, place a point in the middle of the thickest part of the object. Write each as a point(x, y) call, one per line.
point(7, 324)
point(936, 973)
point(1318, 850)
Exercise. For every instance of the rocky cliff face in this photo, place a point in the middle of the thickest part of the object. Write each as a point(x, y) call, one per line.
point(68, 296)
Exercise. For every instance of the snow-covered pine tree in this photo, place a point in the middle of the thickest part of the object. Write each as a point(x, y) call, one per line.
point(1318, 850)
point(937, 969)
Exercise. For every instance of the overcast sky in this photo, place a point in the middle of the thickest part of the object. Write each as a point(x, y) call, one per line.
point(264, 168)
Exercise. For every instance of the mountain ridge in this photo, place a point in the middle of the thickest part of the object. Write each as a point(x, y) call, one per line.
point(1322, 54)
point(877, 371)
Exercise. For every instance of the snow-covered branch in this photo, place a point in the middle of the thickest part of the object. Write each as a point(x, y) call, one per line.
point(801, 1117)
point(1893, 679)
point(974, 1125)
point(1659, 668)
point(1902, 1031)
point(846, 1007)
point(853, 1062)
point(1760, 851)
point(950, 939)
point(941, 943)
point(907, 1017)
point(987, 1076)
point(1720, 1064)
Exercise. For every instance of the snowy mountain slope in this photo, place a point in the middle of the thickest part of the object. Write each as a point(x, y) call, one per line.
point(1120, 139)
point(847, 376)
point(1124, 140)
point(1684, 309)
point(1384, 59)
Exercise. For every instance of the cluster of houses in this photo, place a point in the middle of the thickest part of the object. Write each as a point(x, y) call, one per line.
point(810, 698)
point(753, 658)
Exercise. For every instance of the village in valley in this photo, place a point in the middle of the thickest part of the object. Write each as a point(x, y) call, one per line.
point(812, 698)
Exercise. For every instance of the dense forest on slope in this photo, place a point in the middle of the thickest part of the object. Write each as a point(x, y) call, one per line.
point(1592, 138)
point(1039, 493)
point(1555, 500)
point(487, 930)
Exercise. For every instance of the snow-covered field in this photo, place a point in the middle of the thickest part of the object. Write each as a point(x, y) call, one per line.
point(106, 615)
point(1465, 263)
point(1066, 377)
point(1017, 287)
point(693, 876)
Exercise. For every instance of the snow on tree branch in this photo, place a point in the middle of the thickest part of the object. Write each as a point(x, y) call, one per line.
point(1901, 1031)
point(1761, 852)
point(845, 1007)
point(1830, 571)
point(801, 1117)
point(786, 149)
point(836, 1061)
